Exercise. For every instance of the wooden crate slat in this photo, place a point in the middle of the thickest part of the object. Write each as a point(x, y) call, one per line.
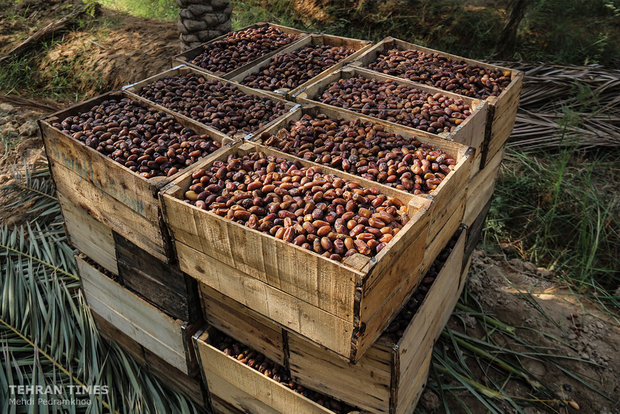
point(133, 316)
point(216, 364)
point(268, 301)
point(110, 211)
point(242, 324)
point(366, 383)
point(88, 235)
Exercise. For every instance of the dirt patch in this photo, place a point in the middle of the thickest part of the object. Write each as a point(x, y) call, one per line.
point(114, 55)
point(551, 317)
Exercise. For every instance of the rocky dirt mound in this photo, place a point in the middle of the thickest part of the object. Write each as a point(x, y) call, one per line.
point(555, 320)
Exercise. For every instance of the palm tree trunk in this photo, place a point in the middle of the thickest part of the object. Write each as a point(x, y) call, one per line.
point(202, 20)
point(508, 38)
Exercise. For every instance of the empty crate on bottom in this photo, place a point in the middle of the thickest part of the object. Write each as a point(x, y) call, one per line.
point(166, 337)
point(389, 378)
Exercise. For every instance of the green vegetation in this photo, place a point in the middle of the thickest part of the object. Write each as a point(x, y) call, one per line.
point(150, 9)
point(559, 31)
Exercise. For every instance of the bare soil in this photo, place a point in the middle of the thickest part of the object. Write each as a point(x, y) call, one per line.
point(550, 316)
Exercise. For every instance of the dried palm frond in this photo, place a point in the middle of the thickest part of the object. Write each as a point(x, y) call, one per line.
point(582, 102)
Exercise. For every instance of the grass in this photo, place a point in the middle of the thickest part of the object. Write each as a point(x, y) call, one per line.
point(150, 9)
point(559, 31)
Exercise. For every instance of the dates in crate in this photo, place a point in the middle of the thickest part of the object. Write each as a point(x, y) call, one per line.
point(145, 140)
point(289, 70)
point(267, 367)
point(301, 205)
point(242, 47)
point(394, 102)
point(442, 72)
point(365, 149)
point(217, 104)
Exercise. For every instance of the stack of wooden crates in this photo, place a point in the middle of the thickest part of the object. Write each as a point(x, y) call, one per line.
point(163, 278)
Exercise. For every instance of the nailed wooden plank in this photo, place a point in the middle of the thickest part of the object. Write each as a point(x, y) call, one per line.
point(134, 316)
point(109, 211)
point(480, 189)
point(426, 318)
point(216, 364)
point(242, 324)
point(282, 308)
point(190, 386)
point(162, 284)
point(88, 235)
point(365, 383)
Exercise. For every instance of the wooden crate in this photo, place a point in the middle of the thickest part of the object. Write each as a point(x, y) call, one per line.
point(162, 335)
point(387, 379)
point(161, 284)
point(101, 189)
point(312, 40)
point(470, 132)
point(480, 188)
point(391, 376)
point(243, 324)
point(235, 384)
point(191, 386)
point(343, 306)
point(186, 57)
point(449, 198)
point(88, 235)
point(502, 109)
point(135, 88)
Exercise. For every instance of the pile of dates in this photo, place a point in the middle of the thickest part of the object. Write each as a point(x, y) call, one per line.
point(364, 149)
point(289, 70)
point(399, 103)
point(265, 366)
point(397, 327)
point(441, 72)
point(145, 140)
point(320, 212)
point(242, 47)
point(216, 104)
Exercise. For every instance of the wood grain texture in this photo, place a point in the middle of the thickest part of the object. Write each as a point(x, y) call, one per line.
point(219, 366)
point(135, 317)
point(190, 386)
point(88, 235)
point(162, 284)
point(243, 324)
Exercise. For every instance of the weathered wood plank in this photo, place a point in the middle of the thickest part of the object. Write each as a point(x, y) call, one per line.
point(162, 284)
point(242, 324)
point(284, 309)
point(88, 235)
point(133, 316)
point(216, 364)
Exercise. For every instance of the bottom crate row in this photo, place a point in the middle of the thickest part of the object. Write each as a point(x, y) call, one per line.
point(389, 378)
